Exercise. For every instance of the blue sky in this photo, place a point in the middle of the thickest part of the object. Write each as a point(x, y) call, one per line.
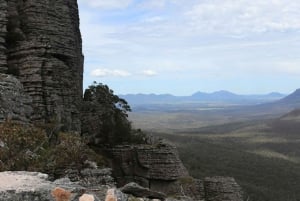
point(184, 46)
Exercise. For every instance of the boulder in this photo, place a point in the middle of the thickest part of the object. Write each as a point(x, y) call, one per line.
point(221, 189)
point(139, 191)
point(144, 163)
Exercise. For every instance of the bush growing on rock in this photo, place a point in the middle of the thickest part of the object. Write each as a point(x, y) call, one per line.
point(21, 146)
point(105, 118)
point(71, 152)
point(28, 148)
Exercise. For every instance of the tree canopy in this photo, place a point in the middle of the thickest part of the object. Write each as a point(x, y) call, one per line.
point(110, 112)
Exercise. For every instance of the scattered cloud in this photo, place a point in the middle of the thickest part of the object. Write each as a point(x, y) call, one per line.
point(153, 4)
point(208, 39)
point(289, 68)
point(237, 17)
point(107, 4)
point(154, 19)
point(149, 73)
point(104, 72)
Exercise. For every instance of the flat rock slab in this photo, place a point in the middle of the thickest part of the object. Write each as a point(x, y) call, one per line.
point(23, 181)
point(32, 186)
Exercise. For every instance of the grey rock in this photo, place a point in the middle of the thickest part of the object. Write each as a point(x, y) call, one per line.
point(222, 189)
point(32, 186)
point(92, 178)
point(95, 181)
point(40, 43)
point(139, 191)
point(15, 104)
point(148, 162)
point(3, 31)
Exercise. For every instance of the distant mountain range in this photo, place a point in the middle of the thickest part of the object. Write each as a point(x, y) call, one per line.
point(198, 97)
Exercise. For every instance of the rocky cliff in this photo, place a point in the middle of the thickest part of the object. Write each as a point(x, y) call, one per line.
point(41, 69)
point(3, 30)
point(40, 44)
point(158, 167)
point(15, 104)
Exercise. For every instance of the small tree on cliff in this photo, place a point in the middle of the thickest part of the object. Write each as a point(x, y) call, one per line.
point(113, 126)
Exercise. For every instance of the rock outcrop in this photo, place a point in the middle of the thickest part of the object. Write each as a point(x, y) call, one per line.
point(159, 168)
point(221, 189)
point(40, 43)
point(139, 191)
point(28, 186)
point(41, 74)
point(146, 164)
point(15, 105)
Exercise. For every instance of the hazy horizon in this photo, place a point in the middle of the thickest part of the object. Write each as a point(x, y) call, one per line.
point(208, 92)
point(181, 47)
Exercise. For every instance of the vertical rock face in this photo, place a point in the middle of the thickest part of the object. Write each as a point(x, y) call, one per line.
point(14, 103)
point(44, 51)
point(3, 22)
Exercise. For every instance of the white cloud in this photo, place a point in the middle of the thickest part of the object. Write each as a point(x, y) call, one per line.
point(289, 67)
point(237, 17)
point(104, 72)
point(149, 73)
point(153, 4)
point(107, 4)
point(154, 19)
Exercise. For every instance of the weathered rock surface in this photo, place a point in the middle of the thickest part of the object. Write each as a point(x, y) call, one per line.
point(3, 30)
point(222, 189)
point(29, 186)
point(139, 191)
point(14, 103)
point(159, 168)
point(40, 43)
point(147, 163)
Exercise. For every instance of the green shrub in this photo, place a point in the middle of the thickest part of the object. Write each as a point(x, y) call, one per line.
point(21, 146)
point(71, 152)
point(27, 148)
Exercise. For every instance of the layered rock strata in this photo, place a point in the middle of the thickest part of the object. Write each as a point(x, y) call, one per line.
point(146, 164)
point(40, 43)
point(221, 189)
point(3, 30)
point(159, 168)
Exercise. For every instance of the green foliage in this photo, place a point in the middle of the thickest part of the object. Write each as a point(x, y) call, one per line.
point(112, 127)
point(21, 146)
point(71, 152)
point(262, 178)
point(27, 148)
point(103, 95)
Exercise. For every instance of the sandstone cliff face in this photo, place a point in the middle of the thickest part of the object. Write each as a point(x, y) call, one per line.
point(159, 168)
point(15, 105)
point(3, 22)
point(40, 43)
point(146, 164)
point(40, 46)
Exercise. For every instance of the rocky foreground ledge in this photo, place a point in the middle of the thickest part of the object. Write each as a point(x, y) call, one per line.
point(34, 186)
